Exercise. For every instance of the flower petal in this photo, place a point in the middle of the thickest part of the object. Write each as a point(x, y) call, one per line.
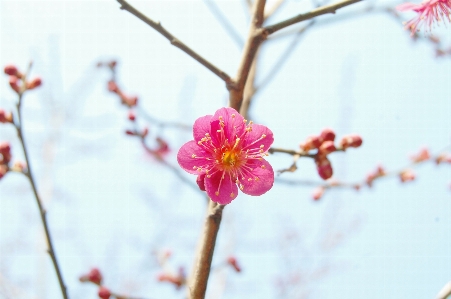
point(191, 157)
point(260, 178)
point(221, 188)
point(233, 121)
point(201, 126)
point(257, 133)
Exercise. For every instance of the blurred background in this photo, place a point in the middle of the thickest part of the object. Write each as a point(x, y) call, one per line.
point(113, 206)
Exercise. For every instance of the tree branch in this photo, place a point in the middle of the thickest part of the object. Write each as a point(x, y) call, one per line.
point(445, 292)
point(176, 42)
point(214, 9)
point(332, 8)
point(255, 38)
point(42, 211)
point(197, 285)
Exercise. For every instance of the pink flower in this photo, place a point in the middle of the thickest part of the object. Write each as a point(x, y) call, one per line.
point(429, 12)
point(229, 153)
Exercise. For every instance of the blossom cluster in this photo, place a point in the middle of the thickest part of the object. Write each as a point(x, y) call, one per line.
point(227, 154)
point(324, 145)
point(405, 174)
point(18, 81)
point(161, 147)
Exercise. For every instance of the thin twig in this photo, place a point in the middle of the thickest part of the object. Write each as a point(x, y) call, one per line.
point(197, 284)
point(176, 42)
point(284, 57)
point(332, 8)
point(160, 123)
point(42, 211)
point(222, 19)
point(274, 8)
point(255, 38)
point(249, 88)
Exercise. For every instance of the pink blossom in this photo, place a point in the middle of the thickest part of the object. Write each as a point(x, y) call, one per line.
point(421, 156)
point(429, 12)
point(229, 152)
point(407, 175)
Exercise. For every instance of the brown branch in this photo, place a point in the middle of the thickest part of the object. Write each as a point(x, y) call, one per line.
point(197, 284)
point(176, 42)
point(445, 292)
point(42, 211)
point(332, 8)
point(249, 89)
point(255, 38)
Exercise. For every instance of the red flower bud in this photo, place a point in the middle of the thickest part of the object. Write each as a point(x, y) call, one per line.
point(112, 64)
point(326, 148)
point(11, 70)
point(312, 142)
point(350, 141)
point(5, 153)
point(130, 132)
point(104, 293)
point(407, 175)
point(34, 83)
point(421, 156)
point(112, 86)
point(13, 82)
point(5, 117)
point(234, 263)
point(327, 135)
point(318, 193)
point(3, 170)
point(145, 132)
point(93, 276)
point(131, 115)
point(178, 281)
point(324, 168)
point(201, 181)
point(163, 147)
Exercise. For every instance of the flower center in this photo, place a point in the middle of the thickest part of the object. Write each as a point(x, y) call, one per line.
point(229, 158)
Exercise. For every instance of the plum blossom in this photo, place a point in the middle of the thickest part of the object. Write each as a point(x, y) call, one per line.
point(429, 12)
point(227, 153)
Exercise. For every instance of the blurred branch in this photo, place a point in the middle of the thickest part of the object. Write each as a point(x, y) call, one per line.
point(249, 88)
point(445, 292)
point(284, 57)
point(275, 7)
point(222, 19)
point(160, 123)
point(175, 42)
point(253, 42)
point(197, 284)
point(29, 175)
point(327, 9)
point(175, 170)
